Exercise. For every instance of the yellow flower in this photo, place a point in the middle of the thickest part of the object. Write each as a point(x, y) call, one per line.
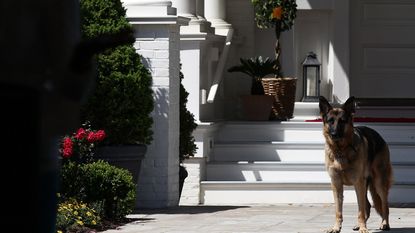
point(80, 222)
point(94, 222)
point(88, 213)
point(75, 212)
point(277, 13)
point(59, 232)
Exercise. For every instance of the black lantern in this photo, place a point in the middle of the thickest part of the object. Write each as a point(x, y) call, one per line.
point(311, 78)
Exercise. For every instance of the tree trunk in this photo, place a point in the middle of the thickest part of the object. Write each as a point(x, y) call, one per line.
point(277, 47)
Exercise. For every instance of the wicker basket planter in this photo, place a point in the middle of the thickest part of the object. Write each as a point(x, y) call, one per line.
point(283, 90)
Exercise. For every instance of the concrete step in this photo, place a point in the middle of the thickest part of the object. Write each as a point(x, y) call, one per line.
point(248, 193)
point(288, 172)
point(292, 152)
point(269, 151)
point(271, 131)
point(306, 111)
point(283, 162)
point(298, 131)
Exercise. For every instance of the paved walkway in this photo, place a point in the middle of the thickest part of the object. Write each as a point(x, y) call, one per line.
point(306, 218)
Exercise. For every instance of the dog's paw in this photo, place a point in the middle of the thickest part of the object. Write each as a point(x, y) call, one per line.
point(333, 230)
point(363, 230)
point(384, 227)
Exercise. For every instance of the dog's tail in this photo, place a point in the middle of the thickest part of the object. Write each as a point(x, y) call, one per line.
point(379, 185)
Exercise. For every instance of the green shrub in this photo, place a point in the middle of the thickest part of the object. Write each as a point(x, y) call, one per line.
point(123, 99)
point(187, 146)
point(75, 214)
point(109, 189)
point(112, 185)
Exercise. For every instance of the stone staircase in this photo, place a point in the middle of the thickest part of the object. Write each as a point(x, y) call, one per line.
point(283, 162)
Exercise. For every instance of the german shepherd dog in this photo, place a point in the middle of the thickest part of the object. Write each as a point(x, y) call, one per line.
point(355, 156)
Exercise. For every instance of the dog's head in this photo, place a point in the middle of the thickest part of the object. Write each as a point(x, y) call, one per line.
point(337, 121)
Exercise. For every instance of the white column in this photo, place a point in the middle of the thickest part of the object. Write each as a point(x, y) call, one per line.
point(185, 8)
point(215, 12)
point(200, 9)
point(158, 41)
point(188, 9)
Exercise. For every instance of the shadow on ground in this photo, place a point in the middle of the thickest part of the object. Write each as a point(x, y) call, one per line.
point(188, 210)
point(402, 205)
point(401, 230)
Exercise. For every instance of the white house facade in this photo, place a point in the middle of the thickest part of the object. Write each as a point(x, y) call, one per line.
point(365, 48)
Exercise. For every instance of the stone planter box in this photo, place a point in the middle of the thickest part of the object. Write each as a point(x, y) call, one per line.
point(126, 156)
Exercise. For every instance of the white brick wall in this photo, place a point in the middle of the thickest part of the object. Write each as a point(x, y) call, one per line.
point(159, 183)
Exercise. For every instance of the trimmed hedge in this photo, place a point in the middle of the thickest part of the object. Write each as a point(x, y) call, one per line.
point(122, 101)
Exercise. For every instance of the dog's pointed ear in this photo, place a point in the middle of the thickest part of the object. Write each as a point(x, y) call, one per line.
point(349, 105)
point(324, 105)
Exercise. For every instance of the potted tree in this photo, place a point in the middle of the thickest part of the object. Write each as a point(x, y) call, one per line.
point(280, 15)
point(123, 99)
point(257, 106)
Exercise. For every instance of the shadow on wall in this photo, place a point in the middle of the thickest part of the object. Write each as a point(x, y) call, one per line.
point(161, 103)
point(146, 62)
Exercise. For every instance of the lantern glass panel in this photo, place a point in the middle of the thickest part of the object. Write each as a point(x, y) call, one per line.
point(311, 81)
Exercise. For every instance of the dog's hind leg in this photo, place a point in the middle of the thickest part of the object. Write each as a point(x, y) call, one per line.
point(368, 206)
point(382, 181)
point(382, 202)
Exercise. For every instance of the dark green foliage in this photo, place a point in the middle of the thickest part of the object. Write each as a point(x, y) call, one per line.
point(277, 14)
point(115, 185)
point(109, 189)
point(256, 68)
point(264, 14)
point(71, 180)
point(102, 16)
point(123, 99)
point(187, 126)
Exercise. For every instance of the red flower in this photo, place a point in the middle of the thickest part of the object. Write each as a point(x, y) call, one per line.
point(80, 146)
point(67, 147)
point(100, 135)
point(80, 134)
point(96, 137)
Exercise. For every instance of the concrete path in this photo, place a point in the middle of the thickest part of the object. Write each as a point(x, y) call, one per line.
point(306, 218)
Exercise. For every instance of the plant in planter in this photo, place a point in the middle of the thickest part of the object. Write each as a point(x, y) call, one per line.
point(123, 99)
point(280, 15)
point(257, 106)
point(256, 68)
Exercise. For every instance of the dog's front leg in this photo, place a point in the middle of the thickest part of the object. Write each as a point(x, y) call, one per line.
point(361, 192)
point(337, 188)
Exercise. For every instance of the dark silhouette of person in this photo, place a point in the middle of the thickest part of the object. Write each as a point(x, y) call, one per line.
point(46, 72)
